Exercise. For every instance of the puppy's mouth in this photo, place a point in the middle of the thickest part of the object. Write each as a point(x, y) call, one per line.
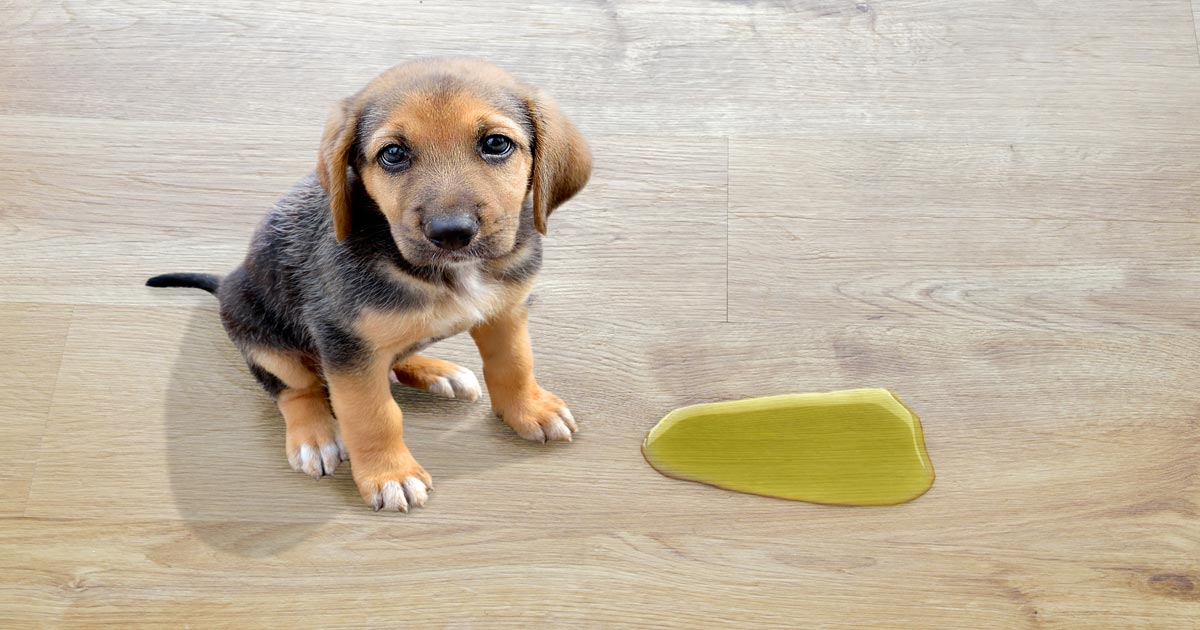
point(471, 253)
point(417, 250)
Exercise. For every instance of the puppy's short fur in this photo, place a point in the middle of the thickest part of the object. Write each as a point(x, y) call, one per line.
point(423, 220)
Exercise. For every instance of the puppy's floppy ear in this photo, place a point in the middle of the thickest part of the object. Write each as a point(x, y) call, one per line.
point(333, 160)
point(562, 162)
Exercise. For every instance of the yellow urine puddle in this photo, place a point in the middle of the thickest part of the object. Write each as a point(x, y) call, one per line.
point(852, 447)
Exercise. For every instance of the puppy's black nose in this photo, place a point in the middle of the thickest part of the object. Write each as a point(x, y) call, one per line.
point(451, 232)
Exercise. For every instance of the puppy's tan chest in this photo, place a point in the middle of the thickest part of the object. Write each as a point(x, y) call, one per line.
point(449, 310)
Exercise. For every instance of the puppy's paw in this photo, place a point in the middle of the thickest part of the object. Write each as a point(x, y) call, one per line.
point(461, 385)
point(435, 376)
point(539, 417)
point(314, 449)
point(402, 485)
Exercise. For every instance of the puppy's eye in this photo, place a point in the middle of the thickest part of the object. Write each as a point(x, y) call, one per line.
point(495, 146)
point(394, 157)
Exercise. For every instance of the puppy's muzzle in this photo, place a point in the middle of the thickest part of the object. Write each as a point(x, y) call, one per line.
point(451, 232)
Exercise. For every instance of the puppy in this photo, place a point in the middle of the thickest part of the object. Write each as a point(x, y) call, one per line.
point(423, 220)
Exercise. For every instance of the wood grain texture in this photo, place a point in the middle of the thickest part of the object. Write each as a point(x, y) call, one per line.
point(989, 207)
point(1056, 236)
point(1196, 24)
point(871, 69)
point(33, 339)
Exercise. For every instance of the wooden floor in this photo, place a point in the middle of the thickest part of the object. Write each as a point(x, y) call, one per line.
point(991, 207)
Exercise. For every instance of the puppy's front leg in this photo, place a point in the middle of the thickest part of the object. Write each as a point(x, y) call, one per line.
point(534, 413)
point(372, 429)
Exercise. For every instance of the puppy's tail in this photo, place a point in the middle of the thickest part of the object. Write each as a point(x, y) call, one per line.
point(205, 281)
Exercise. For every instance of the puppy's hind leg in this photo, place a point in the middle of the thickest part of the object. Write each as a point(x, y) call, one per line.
point(439, 377)
point(312, 444)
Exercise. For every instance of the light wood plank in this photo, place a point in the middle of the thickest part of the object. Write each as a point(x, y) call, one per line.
point(945, 234)
point(945, 179)
point(555, 578)
point(1196, 25)
point(31, 341)
point(904, 68)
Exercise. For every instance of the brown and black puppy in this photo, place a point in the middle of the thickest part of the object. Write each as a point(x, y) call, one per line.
point(423, 220)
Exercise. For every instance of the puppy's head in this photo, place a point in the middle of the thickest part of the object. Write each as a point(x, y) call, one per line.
point(450, 151)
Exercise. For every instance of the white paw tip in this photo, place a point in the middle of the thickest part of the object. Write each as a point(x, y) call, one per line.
point(466, 386)
point(330, 457)
point(565, 414)
point(533, 433)
point(317, 462)
point(415, 489)
point(442, 387)
point(310, 461)
point(391, 497)
point(556, 429)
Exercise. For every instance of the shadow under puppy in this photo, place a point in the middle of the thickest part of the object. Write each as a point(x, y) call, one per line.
point(423, 220)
